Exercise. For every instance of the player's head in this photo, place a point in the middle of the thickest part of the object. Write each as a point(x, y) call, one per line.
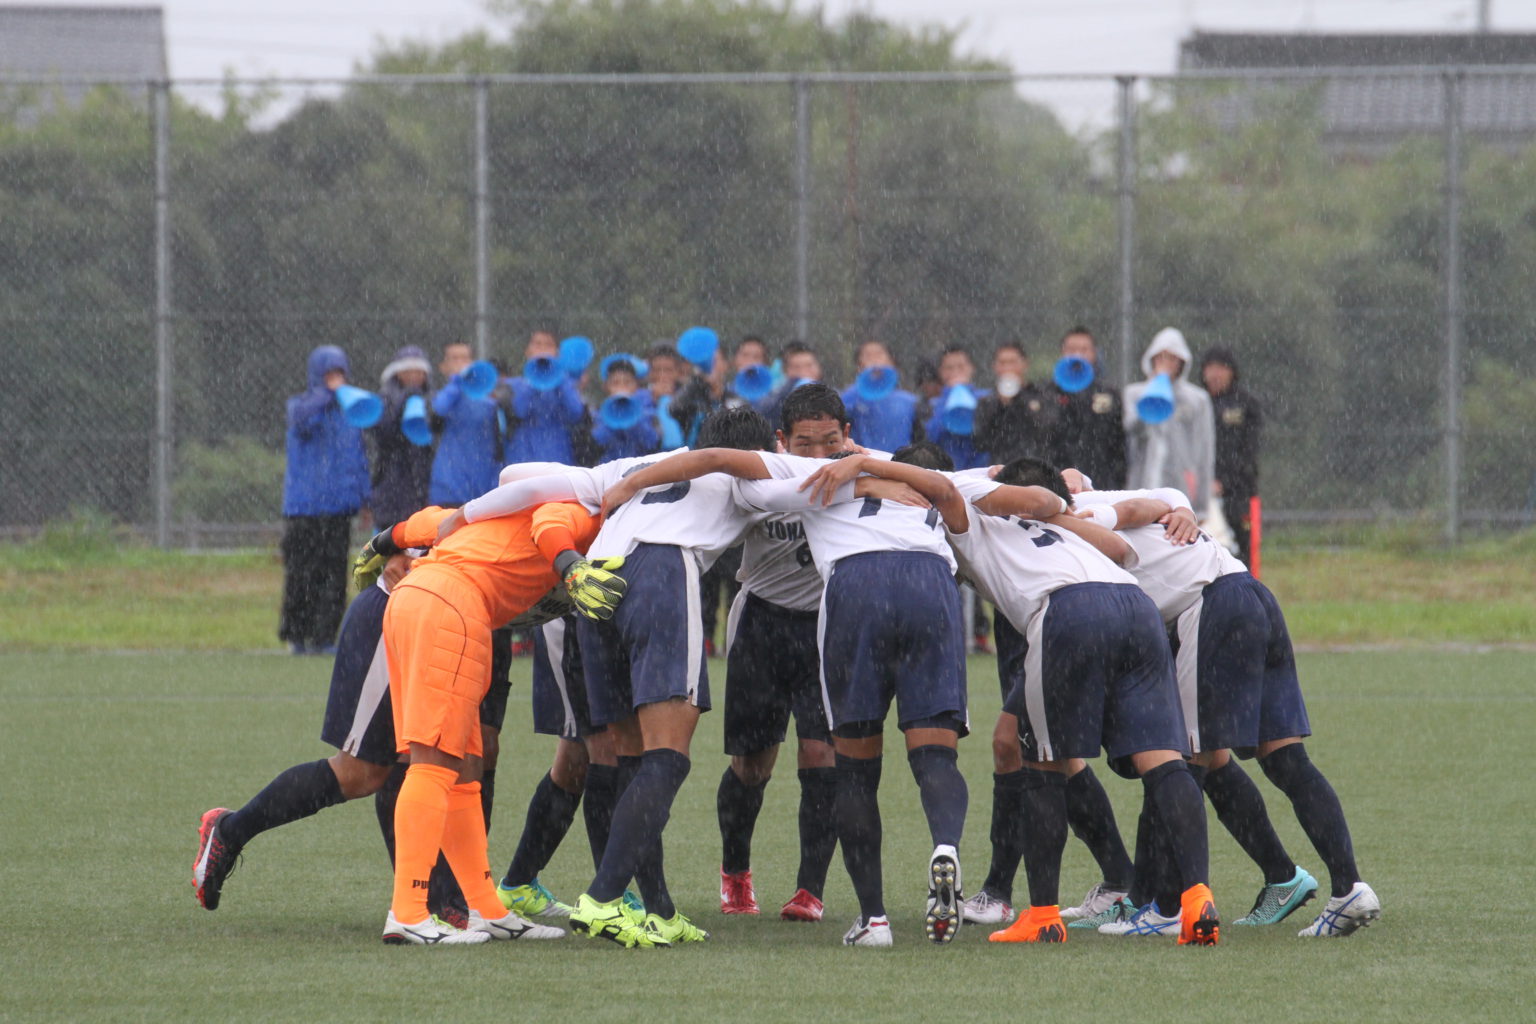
point(742, 428)
point(925, 455)
point(1032, 472)
point(814, 422)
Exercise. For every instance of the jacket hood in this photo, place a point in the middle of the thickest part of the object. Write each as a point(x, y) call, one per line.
point(1169, 339)
point(409, 357)
point(1223, 355)
point(323, 360)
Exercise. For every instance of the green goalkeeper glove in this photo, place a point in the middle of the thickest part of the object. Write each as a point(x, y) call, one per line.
point(369, 563)
point(595, 588)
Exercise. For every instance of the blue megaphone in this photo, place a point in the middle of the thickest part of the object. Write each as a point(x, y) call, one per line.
point(875, 382)
point(1073, 374)
point(479, 378)
point(960, 410)
point(1156, 403)
point(620, 412)
point(698, 345)
point(413, 421)
point(640, 367)
point(753, 382)
point(576, 354)
point(361, 409)
point(544, 373)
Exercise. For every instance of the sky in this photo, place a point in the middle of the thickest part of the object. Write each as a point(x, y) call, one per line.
point(324, 38)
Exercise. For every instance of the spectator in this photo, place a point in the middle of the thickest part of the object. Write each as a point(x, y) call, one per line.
point(624, 442)
point(929, 388)
point(1181, 450)
point(800, 363)
point(1018, 418)
point(469, 433)
point(750, 351)
point(1237, 443)
point(325, 484)
point(666, 372)
point(541, 424)
point(402, 470)
point(956, 371)
point(888, 423)
point(1089, 433)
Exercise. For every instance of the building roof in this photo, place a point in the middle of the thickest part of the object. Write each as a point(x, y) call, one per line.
point(1205, 50)
point(75, 42)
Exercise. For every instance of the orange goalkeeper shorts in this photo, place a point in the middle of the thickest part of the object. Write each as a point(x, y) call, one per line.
point(437, 637)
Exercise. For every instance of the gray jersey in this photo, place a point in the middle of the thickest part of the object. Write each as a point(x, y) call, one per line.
point(776, 565)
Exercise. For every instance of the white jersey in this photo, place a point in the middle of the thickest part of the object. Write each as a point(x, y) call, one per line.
point(1017, 563)
point(776, 564)
point(849, 526)
point(1172, 575)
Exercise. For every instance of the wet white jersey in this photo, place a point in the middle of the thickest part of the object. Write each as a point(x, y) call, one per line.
point(850, 526)
point(1016, 563)
point(1172, 575)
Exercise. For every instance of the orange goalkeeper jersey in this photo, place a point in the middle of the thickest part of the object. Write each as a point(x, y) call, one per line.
point(508, 560)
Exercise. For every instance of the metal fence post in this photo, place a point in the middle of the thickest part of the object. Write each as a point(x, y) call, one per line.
point(161, 96)
point(1125, 220)
point(1453, 304)
point(802, 209)
point(482, 221)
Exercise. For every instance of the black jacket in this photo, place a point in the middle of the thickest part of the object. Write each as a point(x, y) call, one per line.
point(1237, 441)
point(1088, 434)
point(1011, 430)
point(402, 471)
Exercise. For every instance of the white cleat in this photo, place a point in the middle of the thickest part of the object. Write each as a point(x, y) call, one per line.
point(985, 908)
point(1145, 923)
point(510, 926)
point(1098, 900)
point(942, 918)
point(434, 931)
point(875, 932)
point(1345, 915)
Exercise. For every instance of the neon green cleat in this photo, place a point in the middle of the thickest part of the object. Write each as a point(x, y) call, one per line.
point(674, 932)
point(531, 900)
point(633, 908)
point(610, 921)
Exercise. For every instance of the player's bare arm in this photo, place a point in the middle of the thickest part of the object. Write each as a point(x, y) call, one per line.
point(685, 466)
point(889, 490)
point(1180, 526)
point(936, 487)
point(1024, 502)
point(1110, 544)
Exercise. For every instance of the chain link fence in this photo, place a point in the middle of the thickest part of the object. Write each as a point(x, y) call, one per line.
point(1363, 241)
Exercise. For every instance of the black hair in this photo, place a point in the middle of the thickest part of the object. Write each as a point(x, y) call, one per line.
point(1005, 346)
point(812, 401)
point(1031, 472)
point(876, 341)
point(620, 366)
point(751, 339)
point(950, 350)
point(795, 348)
point(1079, 329)
point(925, 455)
point(742, 428)
point(661, 350)
point(927, 371)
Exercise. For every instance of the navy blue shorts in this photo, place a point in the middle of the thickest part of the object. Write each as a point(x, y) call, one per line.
point(493, 706)
point(772, 670)
point(652, 649)
point(1236, 669)
point(1010, 652)
point(890, 627)
point(559, 688)
point(358, 715)
point(1097, 672)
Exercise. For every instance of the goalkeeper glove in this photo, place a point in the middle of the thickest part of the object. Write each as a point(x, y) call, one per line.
point(369, 563)
point(593, 586)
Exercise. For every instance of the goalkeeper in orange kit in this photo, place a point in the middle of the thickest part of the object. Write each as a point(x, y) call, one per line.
point(437, 635)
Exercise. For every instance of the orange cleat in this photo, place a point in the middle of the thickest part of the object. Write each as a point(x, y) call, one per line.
point(1201, 926)
point(1038, 924)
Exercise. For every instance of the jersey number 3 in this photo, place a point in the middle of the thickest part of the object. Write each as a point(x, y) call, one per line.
point(674, 493)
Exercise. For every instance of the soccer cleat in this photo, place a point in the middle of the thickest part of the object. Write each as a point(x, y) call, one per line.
point(633, 908)
point(510, 926)
point(1099, 899)
point(875, 932)
point(1345, 915)
point(1197, 909)
point(1119, 911)
point(673, 932)
point(985, 908)
point(214, 860)
point(1038, 924)
point(1144, 923)
point(942, 918)
point(1275, 902)
point(802, 906)
point(611, 921)
point(453, 915)
point(531, 900)
point(434, 931)
point(736, 893)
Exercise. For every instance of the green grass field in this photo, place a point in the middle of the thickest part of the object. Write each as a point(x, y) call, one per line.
point(112, 757)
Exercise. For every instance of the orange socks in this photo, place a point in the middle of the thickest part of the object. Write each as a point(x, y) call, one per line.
point(420, 815)
point(1038, 924)
point(464, 846)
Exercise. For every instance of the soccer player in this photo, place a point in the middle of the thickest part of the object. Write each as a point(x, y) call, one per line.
point(1097, 670)
point(1238, 684)
point(437, 631)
